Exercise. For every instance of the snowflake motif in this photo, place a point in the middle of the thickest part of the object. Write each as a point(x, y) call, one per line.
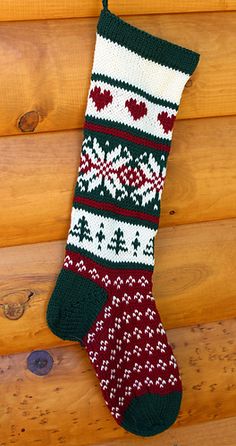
point(112, 392)
point(113, 354)
point(119, 383)
point(161, 364)
point(106, 280)
point(137, 332)
point(128, 391)
point(103, 345)
point(99, 169)
point(172, 362)
point(105, 364)
point(81, 266)
point(143, 281)
point(137, 314)
point(117, 323)
point(107, 312)
point(127, 373)
point(137, 350)
point(118, 344)
point(127, 337)
point(113, 374)
point(160, 329)
point(161, 346)
point(111, 332)
point(118, 282)
point(99, 325)
point(126, 317)
point(150, 296)
point(172, 380)
point(121, 401)
point(118, 366)
point(139, 297)
point(104, 384)
point(160, 382)
point(93, 356)
point(115, 412)
point(149, 366)
point(114, 173)
point(126, 298)
point(153, 184)
point(149, 331)
point(148, 381)
point(150, 314)
point(68, 261)
point(137, 384)
point(115, 301)
point(137, 367)
point(91, 337)
point(119, 363)
point(127, 355)
point(94, 274)
point(130, 281)
point(149, 349)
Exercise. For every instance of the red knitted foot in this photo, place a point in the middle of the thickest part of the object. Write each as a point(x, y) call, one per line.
point(128, 347)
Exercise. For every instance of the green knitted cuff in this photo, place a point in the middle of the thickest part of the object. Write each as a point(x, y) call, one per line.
point(146, 45)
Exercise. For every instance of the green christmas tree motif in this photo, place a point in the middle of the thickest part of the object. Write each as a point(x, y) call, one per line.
point(81, 230)
point(149, 250)
point(136, 244)
point(117, 242)
point(100, 236)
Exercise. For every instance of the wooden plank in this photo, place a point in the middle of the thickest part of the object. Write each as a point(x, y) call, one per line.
point(66, 406)
point(213, 433)
point(36, 193)
point(189, 282)
point(49, 78)
point(38, 173)
point(52, 9)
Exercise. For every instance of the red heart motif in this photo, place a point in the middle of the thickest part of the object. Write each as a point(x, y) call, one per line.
point(100, 99)
point(166, 121)
point(137, 110)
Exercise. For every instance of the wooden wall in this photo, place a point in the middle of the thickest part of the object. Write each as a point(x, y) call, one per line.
point(43, 90)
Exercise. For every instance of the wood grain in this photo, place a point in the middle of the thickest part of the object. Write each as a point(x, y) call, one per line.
point(189, 282)
point(37, 177)
point(212, 433)
point(36, 193)
point(52, 9)
point(66, 406)
point(49, 78)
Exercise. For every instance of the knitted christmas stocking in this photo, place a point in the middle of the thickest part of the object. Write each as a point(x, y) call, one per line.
point(103, 295)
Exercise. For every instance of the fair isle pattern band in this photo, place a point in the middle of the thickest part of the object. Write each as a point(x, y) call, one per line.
point(130, 87)
point(120, 173)
point(122, 106)
point(110, 239)
point(135, 90)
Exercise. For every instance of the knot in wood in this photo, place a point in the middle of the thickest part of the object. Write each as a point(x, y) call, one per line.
point(29, 121)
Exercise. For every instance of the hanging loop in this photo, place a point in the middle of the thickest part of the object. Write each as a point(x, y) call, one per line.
point(105, 4)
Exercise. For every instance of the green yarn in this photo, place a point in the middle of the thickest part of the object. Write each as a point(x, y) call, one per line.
point(105, 4)
point(145, 44)
point(74, 306)
point(125, 128)
point(151, 414)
